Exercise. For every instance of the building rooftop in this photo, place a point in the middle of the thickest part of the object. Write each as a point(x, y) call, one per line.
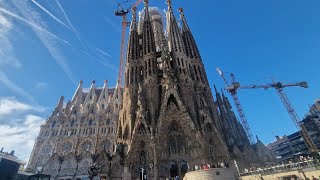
point(10, 156)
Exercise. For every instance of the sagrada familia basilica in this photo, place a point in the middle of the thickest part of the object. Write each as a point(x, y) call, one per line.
point(164, 120)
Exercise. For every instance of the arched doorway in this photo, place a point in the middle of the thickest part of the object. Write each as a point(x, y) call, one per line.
point(173, 169)
point(184, 167)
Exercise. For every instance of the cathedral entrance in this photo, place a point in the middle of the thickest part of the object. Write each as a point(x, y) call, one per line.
point(173, 169)
point(184, 167)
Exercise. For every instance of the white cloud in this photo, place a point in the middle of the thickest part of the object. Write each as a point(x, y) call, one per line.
point(114, 25)
point(21, 138)
point(6, 49)
point(103, 52)
point(50, 40)
point(40, 85)
point(50, 14)
point(19, 126)
point(14, 87)
point(10, 105)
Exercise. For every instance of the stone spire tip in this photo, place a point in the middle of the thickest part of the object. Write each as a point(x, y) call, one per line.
point(223, 93)
point(169, 4)
point(146, 3)
point(215, 89)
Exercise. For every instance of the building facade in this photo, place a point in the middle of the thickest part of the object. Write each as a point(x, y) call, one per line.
point(293, 145)
point(9, 165)
point(315, 108)
point(78, 133)
point(281, 148)
point(164, 120)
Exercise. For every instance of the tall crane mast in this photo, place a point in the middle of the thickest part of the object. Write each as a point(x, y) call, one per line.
point(233, 91)
point(286, 102)
point(123, 13)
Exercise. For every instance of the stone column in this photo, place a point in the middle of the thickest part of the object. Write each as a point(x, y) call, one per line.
point(126, 174)
point(179, 168)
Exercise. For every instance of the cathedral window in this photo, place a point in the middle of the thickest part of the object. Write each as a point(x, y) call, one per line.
point(108, 122)
point(209, 128)
point(202, 103)
point(46, 149)
point(53, 125)
point(91, 122)
point(172, 103)
point(72, 123)
point(106, 144)
point(86, 146)
point(142, 158)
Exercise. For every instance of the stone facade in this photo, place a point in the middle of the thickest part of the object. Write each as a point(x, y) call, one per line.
point(164, 120)
point(78, 133)
point(169, 119)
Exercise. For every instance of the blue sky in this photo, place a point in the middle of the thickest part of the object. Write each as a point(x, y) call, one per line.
point(47, 46)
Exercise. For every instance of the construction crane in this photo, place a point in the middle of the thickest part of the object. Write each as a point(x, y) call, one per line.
point(123, 12)
point(233, 93)
point(286, 102)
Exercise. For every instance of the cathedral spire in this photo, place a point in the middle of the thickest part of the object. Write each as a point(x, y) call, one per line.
point(190, 44)
point(104, 96)
point(226, 101)
point(133, 42)
point(77, 97)
point(59, 107)
point(219, 101)
point(133, 26)
point(185, 26)
point(91, 96)
point(146, 10)
point(174, 35)
point(148, 42)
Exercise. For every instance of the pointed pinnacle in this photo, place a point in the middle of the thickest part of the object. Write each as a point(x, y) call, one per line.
point(215, 89)
point(146, 3)
point(169, 4)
